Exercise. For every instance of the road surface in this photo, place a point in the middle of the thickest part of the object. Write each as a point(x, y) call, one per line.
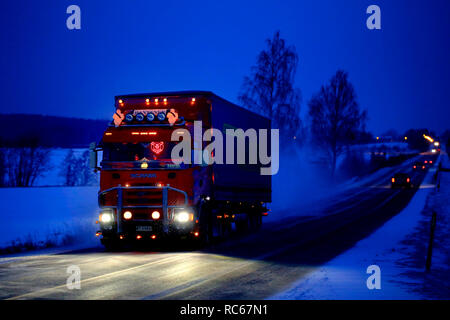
point(252, 267)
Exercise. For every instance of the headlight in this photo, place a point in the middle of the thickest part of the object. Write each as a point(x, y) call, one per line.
point(106, 217)
point(156, 215)
point(127, 215)
point(182, 216)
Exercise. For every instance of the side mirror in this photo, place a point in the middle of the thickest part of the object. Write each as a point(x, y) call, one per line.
point(93, 156)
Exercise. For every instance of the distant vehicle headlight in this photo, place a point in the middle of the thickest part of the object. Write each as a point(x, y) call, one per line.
point(150, 116)
point(161, 116)
point(129, 117)
point(139, 117)
point(106, 217)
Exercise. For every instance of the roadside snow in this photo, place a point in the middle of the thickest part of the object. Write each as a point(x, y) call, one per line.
point(389, 248)
point(48, 216)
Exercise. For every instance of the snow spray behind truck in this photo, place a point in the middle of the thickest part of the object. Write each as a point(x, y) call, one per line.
point(171, 165)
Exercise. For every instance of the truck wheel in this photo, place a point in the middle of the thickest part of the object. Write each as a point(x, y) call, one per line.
point(255, 222)
point(242, 225)
point(225, 229)
point(206, 235)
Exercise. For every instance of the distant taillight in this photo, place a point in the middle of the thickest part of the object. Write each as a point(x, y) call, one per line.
point(393, 180)
point(408, 180)
point(414, 167)
point(431, 161)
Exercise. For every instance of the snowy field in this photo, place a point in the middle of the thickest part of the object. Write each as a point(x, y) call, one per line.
point(53, 176)
point(48, 216)
point(398, 248)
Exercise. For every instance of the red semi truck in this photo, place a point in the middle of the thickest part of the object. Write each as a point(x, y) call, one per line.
point(147, 195)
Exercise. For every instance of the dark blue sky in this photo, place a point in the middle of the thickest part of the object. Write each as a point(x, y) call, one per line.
point(401, 73)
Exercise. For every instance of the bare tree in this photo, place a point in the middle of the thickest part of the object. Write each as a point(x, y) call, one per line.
point(87, 176)
point(69, 170)
point(336, 118)
point(269, 90)
point(24, 163)
point(2, 167)
point(76, 170)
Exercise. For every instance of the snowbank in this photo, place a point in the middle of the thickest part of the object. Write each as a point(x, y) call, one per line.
point(48, 216)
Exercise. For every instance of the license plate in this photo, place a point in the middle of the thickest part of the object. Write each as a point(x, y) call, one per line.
point(144, 228)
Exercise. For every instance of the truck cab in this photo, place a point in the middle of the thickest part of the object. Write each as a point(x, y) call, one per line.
point(146, 194)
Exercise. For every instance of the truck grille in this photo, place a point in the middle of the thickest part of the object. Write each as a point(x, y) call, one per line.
point(143, 197)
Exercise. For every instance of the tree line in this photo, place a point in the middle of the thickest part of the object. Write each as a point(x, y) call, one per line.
point(25, 160)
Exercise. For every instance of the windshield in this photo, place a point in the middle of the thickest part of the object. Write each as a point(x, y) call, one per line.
point(156, 151)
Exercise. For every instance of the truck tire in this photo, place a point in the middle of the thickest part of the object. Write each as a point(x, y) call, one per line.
point(242, 225)
point(205, 225)
point(255, 221)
